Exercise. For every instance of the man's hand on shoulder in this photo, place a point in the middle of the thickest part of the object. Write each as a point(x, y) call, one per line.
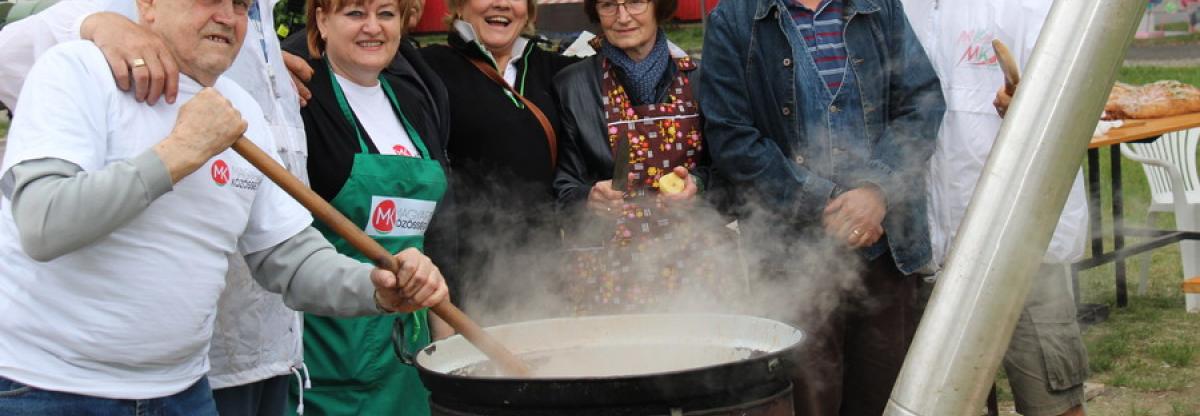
point(138, 57)
point(301, 73)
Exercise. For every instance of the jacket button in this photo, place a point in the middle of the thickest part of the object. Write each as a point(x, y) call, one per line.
point(799, 159)
point(787, 111)
point(776, 14)
point(787, 62)
point(834, 109)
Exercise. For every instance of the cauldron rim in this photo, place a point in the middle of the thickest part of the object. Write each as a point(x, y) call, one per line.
point(674, 386)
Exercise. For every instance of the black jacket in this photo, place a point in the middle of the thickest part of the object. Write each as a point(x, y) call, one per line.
point(585, 156)
point(502, 168)
point(495, 141)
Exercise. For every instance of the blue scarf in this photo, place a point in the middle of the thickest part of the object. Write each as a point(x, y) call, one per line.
point(641, 78)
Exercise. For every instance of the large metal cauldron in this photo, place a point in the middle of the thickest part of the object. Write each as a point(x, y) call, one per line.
point(663, 364)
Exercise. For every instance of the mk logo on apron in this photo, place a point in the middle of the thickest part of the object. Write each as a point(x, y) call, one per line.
point(399, 217)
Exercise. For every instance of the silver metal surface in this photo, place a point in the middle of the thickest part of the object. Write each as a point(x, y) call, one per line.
point(1008, 225)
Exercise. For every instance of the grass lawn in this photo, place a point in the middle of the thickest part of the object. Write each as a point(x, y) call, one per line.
point(689, 36)
point(1145, 74)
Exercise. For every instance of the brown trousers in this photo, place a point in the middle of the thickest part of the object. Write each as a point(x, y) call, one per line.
point(852, 356)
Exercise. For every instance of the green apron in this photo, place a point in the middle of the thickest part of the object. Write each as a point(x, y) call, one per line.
point(353, 366)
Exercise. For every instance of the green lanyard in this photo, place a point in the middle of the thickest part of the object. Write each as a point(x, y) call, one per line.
point(524, 62)
point(349, 114)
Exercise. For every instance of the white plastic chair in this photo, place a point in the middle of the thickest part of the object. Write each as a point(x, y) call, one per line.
point(1170, 167)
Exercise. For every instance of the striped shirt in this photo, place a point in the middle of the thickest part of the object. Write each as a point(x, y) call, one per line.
point(822, 32)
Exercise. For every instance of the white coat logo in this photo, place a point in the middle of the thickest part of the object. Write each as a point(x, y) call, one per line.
point(977, 48)
point(399, 217)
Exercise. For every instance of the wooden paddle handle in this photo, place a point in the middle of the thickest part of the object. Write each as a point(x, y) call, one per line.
point(1008, 64)
point(493, 349)
point(380, 256)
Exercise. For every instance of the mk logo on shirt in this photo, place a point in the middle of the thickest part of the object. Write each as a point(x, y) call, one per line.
point(977, 48)
point(399, 217)
point(220, 172)
point(223, 174)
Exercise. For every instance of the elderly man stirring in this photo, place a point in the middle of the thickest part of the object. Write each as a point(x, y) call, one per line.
point(116, 231)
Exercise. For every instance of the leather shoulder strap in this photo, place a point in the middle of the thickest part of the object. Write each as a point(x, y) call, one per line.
point(551, 137)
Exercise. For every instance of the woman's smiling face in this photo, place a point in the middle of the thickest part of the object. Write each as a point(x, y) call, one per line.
point(362, 38)
point(497, 23)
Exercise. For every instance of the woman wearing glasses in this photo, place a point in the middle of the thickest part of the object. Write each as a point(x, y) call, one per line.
point(636, 98)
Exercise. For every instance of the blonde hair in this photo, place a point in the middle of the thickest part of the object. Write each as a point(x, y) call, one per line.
point(316, 45)
point(453, 6)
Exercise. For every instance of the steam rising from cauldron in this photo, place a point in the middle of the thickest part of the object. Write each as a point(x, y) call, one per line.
point(523, 277)
point(779, 274)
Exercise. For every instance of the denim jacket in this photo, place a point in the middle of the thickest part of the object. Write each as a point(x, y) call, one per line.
point(785, 143)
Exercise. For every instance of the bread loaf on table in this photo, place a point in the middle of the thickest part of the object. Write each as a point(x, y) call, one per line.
point(1154, 100)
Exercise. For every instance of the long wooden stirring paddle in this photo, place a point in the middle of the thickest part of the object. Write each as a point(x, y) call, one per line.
point(379, 255)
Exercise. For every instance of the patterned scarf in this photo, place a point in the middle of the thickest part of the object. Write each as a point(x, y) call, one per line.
point(641, 78)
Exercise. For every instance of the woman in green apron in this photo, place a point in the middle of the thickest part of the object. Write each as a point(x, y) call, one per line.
point(376, 153)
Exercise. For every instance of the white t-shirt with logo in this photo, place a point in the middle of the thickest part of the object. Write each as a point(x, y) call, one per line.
point(374, 111)
point(130, 315)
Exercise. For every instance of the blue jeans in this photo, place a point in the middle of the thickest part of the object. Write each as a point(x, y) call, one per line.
point(262, 398)
point(17, 399)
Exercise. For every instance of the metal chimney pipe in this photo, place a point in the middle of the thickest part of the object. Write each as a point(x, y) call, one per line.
point(976, 303)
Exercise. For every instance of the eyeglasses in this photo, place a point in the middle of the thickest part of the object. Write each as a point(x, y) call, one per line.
point(609, 8)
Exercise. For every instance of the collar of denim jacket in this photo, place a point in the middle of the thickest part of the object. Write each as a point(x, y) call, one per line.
point(777, 7)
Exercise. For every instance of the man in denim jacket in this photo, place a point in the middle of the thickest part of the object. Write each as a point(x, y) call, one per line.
point(822, 115)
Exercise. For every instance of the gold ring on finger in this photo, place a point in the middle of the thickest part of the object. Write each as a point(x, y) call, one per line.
point(139, 62)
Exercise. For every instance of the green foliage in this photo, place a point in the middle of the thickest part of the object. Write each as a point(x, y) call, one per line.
point(289, 17)
point(689, 36)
